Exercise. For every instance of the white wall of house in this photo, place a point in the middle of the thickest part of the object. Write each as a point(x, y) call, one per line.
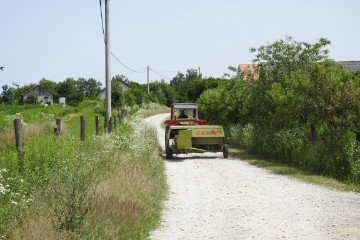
point(102, 94)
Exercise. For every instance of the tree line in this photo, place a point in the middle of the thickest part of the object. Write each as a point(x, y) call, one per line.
point(184, 87)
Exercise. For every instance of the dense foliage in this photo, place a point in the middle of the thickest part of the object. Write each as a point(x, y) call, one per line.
point(302, 110)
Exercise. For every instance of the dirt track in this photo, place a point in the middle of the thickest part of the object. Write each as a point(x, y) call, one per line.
point(214, 198)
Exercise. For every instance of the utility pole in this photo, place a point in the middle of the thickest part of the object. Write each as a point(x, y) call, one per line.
point(199, 72)
point(148, 69)
point(107, 62)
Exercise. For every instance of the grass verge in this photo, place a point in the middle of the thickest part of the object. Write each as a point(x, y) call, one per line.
point(109, 187)
point(281, 169)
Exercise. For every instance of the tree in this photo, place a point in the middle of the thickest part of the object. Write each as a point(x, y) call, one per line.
point(162, 93)
point(277, 60)
point(8, 94)
point(49, 85)
point(67, 87)
point(88, 87)
point(181, 82)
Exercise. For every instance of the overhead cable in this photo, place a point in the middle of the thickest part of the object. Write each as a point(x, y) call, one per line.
point(103, 31)
point(160, 74)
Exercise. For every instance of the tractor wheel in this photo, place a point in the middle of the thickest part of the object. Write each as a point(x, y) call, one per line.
point(166, 131)
point(226, 151)
point(168, 152)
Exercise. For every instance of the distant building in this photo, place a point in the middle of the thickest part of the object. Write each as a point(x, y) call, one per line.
point(247, 69)
point(351, 65)
point(37, 94)
point(101, 95)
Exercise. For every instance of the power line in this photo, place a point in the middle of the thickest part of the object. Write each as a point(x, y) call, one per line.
point(102, 21)
point(160, 74)
point(165, 70)
point(102, 25)
point(125, 65)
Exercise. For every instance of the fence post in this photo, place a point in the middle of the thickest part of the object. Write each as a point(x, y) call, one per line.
point(58, 124)
point(57, 128)
point(97, 125)
point(17, 126)
point(110, 125)
point(119, 116)
point(106, 123)
point(82, 128)
point(19, 143)
point(115, 123)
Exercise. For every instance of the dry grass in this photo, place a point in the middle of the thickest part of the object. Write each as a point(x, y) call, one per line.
point(7, 136)
point(124, 200)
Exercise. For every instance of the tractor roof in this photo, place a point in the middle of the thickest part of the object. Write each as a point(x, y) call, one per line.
point(185, 106)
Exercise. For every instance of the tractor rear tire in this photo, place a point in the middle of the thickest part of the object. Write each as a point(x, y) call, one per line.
point(226, 151)
point(168, 152)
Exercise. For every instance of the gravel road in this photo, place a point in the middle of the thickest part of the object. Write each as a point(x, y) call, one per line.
point(214, 198)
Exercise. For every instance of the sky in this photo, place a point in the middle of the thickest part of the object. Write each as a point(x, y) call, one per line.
point(63, 38)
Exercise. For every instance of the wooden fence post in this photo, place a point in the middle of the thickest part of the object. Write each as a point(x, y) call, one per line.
point(119, 116)
point(82, 128)
point(110, 125)
point(19, 144)
point(58, 124)
point(115, 123)
point(106, 123)
point(18, 141)
point(97, 125)
point(57, 128)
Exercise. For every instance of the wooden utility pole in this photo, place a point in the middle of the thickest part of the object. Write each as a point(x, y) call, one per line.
point(107, 62)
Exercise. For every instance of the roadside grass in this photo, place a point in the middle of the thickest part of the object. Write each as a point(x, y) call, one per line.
point(281, 169)
point(152, 109)
point(109, 187)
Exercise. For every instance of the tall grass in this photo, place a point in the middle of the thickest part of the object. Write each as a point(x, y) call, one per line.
point(292, 147)
point(108, 187)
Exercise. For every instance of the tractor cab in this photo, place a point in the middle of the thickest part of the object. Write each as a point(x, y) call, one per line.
point(184, 114)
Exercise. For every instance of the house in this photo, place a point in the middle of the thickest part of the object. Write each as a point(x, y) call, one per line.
point(247, 69)
point(351, 65)
point(37, 94)
point(101, 95)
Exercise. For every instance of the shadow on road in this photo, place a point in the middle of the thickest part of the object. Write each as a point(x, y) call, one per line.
point(184, 157)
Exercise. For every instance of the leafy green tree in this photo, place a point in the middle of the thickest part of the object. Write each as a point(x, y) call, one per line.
point(74, 99)
point(67, 87)
point(8, 94)
point(139, 94)
point(181, 82)
point(88, 87)
point(49, 85)
point(197, 86)
point(162, 93)
point(277, 60)
point(116, 94)
point(178, 83)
